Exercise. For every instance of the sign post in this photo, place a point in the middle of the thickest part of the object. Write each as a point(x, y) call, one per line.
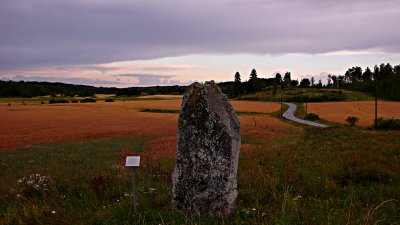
point(133, 162)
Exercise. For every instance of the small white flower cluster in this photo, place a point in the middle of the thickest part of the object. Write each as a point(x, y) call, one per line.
point(150, 190)
point(253, 210)
point(158, 174)
point(127, 195)
point(36, 182)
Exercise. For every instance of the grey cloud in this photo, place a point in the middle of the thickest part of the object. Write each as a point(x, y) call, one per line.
point(83, 81)
point(144, 75)
point(67, 32)
point(78, 68)
point(149, 79)
point(154, 79)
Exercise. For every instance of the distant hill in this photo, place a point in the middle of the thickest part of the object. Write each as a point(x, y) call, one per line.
point(28, 89)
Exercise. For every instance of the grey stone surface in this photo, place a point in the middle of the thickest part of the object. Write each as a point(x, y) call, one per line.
point(204, 180)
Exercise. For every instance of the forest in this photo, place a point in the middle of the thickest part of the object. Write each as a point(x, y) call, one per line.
point(383, 80)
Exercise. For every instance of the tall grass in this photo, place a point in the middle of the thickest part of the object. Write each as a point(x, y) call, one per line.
point(338, 175)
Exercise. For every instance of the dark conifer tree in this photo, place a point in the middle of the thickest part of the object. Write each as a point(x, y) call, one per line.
point(253, 75)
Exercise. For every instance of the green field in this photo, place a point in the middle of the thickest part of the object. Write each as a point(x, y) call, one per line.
point(307, 94)
point(338, 175)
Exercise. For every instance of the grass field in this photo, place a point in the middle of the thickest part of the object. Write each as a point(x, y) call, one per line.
point(331, 176)
point(63, 164)
point(365, 110)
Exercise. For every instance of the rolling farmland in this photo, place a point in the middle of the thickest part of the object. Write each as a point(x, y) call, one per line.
point(337, 112)
point(25, 125)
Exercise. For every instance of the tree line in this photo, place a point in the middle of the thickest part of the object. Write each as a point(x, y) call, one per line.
point(384, 80)
point(30, 89)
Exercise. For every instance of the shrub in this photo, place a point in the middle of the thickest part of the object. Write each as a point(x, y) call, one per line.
point(60, 100)
point(42, 102)
point(109, 100)
point(352, 120)
point(88, 100)
point(388, 124)
point(311, 116)
point(74, 101)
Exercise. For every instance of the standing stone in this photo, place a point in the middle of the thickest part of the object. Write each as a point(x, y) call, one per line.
point(204, 179)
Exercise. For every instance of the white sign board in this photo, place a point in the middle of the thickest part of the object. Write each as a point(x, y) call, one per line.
point(132, 161)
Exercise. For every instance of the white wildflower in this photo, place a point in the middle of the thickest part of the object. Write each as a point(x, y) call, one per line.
point(298, 197)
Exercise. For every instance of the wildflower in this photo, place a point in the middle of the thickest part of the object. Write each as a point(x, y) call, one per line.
point(297, 197)
point(245, 211)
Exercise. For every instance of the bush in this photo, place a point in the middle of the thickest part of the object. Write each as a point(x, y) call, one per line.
point(352, 120)
point(311, 116)
point(74, 101)
point(42, 102)
point(88, 100)
point(109, 100)
point(55, 100)
point(388, 124)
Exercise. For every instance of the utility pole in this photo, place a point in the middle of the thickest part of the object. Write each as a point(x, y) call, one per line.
point(281, 106)
point(306, 107)
point(376, 108)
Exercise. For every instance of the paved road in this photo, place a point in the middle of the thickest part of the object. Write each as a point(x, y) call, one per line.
point(289, 115)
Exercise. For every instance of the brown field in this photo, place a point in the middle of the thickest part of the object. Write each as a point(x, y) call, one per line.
point(365, 110)
point(26, 125)
point(161, 96)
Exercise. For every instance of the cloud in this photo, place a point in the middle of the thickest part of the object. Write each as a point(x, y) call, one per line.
point(68, 80)
point(152, 79)
point(70, 32)
point(103, 68)
point(321, 76)
point(148, 79)
point(78, 68)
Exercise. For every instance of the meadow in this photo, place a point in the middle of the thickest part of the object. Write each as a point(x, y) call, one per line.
point(63, 164)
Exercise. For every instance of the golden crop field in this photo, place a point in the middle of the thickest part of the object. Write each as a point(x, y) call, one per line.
point(365, 110)
point(26, 125)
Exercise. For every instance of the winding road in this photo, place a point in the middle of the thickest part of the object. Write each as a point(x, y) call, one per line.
point(289, 115)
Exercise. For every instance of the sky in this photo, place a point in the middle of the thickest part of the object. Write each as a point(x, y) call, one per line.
point(123, 43)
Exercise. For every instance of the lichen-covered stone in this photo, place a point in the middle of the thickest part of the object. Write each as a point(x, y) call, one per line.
point(204, 180)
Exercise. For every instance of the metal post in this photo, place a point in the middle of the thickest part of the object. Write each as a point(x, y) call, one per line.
point(133, 188)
